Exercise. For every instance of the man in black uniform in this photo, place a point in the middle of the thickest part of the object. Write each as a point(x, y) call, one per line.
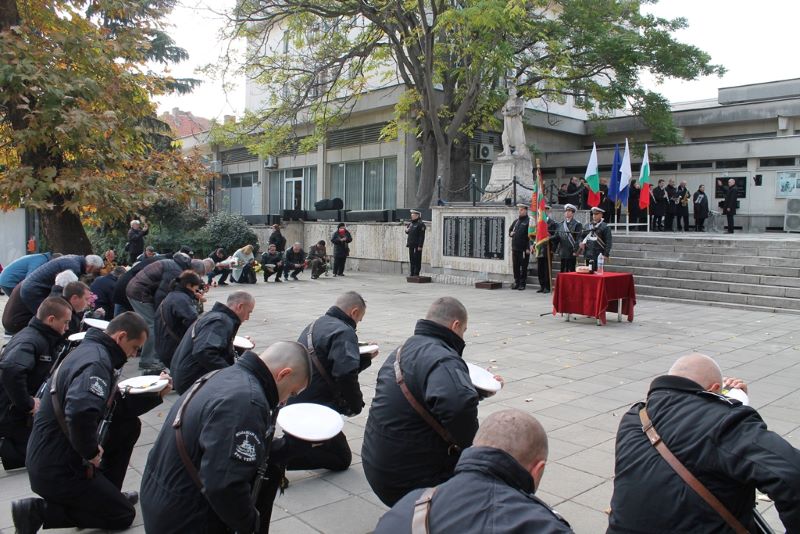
point(208, 344)
point(493, 486)
point(401, 451)
point(568, 235)
point(416, 239)
point(334, 381)
point(226, 432)
point(731, 199)
point(79, 473)
point(26, 362)
point(520, 248)
point(659, 206)
point(597, 239)
point(544, 256)
point(723, 443)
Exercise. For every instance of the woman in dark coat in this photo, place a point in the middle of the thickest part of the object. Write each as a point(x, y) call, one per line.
point(341, 237)
point(176, 314)
point(700, 200)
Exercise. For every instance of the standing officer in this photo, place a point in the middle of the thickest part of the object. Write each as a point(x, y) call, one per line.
point(493, 487)
point(206, 473)
point(402, 451)
point(208, 344)
point(544, 257)
point(597, 240)
point(333, 346)
point(729, 204)
point(725, 445)
point(26, 362)
point(416, 239)
point(78, 473)
point(567, 237)
point(520, 248)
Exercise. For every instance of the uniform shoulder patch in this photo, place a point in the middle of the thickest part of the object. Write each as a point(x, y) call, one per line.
point(98, 386)
point(246, 445)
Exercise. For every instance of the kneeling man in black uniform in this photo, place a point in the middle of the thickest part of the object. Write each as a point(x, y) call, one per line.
point(79, 473)
point(492, 489)
point(202, 468)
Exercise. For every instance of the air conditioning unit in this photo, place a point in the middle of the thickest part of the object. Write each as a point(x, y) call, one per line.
point(791, 220)
point(215, 166)
point(484, 152)
point(271, 162)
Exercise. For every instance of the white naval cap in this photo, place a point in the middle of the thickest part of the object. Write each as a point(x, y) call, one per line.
point(570, 207)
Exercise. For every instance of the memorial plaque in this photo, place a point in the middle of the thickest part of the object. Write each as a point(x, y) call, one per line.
point(474, 237)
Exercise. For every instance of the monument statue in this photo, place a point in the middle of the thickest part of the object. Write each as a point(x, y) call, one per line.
point(514, 162)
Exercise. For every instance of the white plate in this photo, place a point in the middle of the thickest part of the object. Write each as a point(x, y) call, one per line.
point(367, 349)
point(738, 394)
point(143, 384)
point(310, 422)
point(242, 343)
point(483, 379)
point(96, 323)
point(77, 338)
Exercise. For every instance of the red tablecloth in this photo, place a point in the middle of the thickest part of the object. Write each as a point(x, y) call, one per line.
point(594, 294)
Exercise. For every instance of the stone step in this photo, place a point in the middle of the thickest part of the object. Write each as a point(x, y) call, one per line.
point(684, 246)
point(738, 299)
point(778, 241)
point(719, 287)
point(738, 259)
point(736, 278)
point(643, 293)
point(685, 265)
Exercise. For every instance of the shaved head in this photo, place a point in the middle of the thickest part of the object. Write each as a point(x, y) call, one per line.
point(445, 310)
point(515, 432)
point(698, 368)
point(349, 300)
point(290, 366)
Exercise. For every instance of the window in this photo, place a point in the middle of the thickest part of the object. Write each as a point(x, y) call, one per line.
point(482, 173)
point(238, 193)
point(365, 185)
point(663, 166)
point(696, 165)
point(732, 164)
point(776, 162)
point(292, 189)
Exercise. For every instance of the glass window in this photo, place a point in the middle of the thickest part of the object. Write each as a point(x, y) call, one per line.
point(373, 184)
point(353, 184)
point(311, 187)
point(237, 193)
point(365, 185)
point(275, 183)
point(390, 183)
point(337, 180)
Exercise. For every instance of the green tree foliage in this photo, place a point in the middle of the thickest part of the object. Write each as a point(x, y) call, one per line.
point(228, 231)
point(78, 132)
point(454, 58)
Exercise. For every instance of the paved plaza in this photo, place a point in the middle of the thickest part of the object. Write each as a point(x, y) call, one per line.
point(575, 377)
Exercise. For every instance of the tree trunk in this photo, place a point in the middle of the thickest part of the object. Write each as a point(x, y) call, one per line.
point(426, 190)
point(443, 172)
point(64, 232)
point(459, 170)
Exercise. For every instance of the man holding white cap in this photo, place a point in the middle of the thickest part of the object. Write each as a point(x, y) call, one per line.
point(597, 240)
point(567, 238)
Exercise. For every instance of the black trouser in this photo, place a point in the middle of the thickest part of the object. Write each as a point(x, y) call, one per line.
point(699, 224)
point(668, 223)
point(217, 271)
point(13, 444)
point(338, 264)
point(683, 217)
point(658, 222)
point(269, 272)
point(334, 454)
point(97, 502)
point(543, 272)
point(415, 260)
point(294, 272)
point(519, 263)
point(729, 216)
point(568, 264)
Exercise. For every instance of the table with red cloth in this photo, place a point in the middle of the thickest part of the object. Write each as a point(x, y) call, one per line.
point(594, 294)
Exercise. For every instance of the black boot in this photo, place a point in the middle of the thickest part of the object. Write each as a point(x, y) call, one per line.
point(132, 496)
point(28, 515)
point(515, 285)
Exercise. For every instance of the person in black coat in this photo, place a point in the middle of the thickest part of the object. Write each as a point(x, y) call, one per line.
point(401, 452)
point(730, 200)
point(659, 206)
point(25, 364)
point(700, 201)
point(294, 261)
point(135, 245)
point(415, 230)
point(335, 346)
point(493, 486)
point(340, 239)
point(634, 212)
point(272, 263)
point(104, 287)
point(520, 247)
point(208, 344)
point(176, 314)
point(121, 302)
point(723, 443)
point(77, 472)
point(226, 429)
point(276, 238)
point(221, 269)
point(672, 205)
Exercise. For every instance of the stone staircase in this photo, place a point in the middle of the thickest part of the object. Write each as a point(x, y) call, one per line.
point(746, 271)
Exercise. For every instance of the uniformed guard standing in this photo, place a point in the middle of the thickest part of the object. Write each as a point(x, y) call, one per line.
point(24, 366)
point(416, 239)
point(520, 248)
point(84, 434)
point(722, 443)
point(568, 236)
point(201, 472)
point(597, 240)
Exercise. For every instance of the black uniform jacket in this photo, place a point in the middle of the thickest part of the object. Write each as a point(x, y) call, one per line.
point(24, 366)
point(207, 345)
point(724, 444)
point(519, 234)
point(84, 382)
point(225, 432)
point(336, 345)
point(173, 318)
point(602, 231)
point(37, 286)
point(568, 238)
point(416, 234)
point(491, 493)
point(659, 207)
point(398, 443)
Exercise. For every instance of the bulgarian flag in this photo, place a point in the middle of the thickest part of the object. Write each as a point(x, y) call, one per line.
point(592, 177)
point(644, 181)
point(541, 212)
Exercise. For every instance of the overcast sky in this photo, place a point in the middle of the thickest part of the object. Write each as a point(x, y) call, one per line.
point(755, 41)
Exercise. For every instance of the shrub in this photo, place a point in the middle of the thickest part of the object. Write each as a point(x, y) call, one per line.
point(228, 231)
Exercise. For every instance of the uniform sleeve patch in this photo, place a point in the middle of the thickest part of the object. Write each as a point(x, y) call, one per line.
point(246, 446)
point(98, 386)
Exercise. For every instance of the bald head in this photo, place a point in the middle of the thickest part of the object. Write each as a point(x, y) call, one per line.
point(698, 368)
point(517, 433)
point(289, 364)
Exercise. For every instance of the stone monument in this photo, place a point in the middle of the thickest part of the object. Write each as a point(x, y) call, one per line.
point(514, 160)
